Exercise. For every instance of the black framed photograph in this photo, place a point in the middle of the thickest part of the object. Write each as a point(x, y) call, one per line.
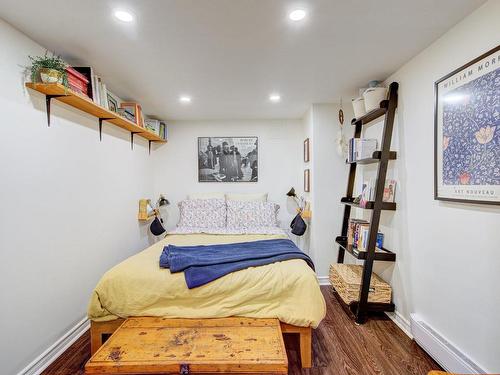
point(307, 180)
point(228, 159)
point(467, 132)
point(306, 150)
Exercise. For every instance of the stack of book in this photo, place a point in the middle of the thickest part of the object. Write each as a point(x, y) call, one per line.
point(359, 148)
point(358, 232)
point(96, 89)
point(368, 191)
point(82, 79)
point(157, 127)
point(77, 81)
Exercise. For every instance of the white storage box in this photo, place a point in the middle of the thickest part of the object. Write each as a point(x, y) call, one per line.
point(358, 105)
point(373, 96)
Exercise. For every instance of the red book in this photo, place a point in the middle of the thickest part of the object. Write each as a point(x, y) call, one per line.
point(77, 81)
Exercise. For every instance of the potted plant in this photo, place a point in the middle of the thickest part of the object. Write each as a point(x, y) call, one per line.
point(48, 69)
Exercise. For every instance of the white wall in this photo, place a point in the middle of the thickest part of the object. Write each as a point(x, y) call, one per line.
point(328, 183)
point(68, 209)
point(448, 259)
point(280, 154)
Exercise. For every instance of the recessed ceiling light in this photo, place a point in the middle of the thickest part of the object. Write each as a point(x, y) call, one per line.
point(123, 15)
point(297, 14)
point(275, 98)
point(185, 99)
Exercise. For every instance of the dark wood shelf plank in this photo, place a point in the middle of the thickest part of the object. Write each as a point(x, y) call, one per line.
point(85, 104)
point(371, 306)
point(376, 156)
point(381, 254)
point(372, 115)
point(388, 206)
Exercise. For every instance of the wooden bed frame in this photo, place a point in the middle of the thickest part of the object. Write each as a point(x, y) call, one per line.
point(99, 332)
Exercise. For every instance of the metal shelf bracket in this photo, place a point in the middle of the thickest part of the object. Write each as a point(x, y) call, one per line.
point(48, 98)
point(101, 119)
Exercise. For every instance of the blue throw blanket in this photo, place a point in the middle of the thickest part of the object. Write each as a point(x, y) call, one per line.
point(202, 264)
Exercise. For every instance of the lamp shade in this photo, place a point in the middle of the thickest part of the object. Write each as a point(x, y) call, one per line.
point(162, 201)
point(291, 193)
point(156, 227)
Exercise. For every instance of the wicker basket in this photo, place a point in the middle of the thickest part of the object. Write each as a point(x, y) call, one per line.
point(346, 279)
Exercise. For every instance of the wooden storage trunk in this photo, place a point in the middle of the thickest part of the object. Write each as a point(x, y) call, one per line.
point(346, 279)
point(149, 345)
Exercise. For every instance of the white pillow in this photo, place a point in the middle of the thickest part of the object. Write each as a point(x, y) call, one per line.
point(248, 214)
point(202, 213)
point(256, 197)
point(206, 196)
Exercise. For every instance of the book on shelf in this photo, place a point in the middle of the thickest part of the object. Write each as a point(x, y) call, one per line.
point(389, 191)
point(163, 130)
point(368, 191)
point(157, 127)
point(152, 126)
point(88, 73)
point(77, 81)
point(361, 148)
point(358, 234)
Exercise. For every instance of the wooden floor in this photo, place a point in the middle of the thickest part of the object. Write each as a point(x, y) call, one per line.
point(340, 347)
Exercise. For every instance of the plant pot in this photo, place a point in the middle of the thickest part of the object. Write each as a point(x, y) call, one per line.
point(48, 75)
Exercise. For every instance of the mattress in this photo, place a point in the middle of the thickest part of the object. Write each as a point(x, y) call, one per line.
point(288, 290)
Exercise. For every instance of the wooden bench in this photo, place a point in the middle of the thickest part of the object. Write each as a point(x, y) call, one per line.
point(100, 331)
point(149, 345)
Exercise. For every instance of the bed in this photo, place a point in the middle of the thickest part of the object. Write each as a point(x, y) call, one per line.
point(287, 290)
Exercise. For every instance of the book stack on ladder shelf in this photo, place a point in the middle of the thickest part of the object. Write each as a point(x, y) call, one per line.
point(370, 249)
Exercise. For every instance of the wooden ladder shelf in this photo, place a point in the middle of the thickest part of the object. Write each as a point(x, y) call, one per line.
point(361, 307)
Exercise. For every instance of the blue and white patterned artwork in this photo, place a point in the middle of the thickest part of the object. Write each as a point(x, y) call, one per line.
point(468, 131)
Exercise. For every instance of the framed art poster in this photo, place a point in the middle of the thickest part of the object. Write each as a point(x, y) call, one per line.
point(306, 150)
point(467, 132)
point(228, 159)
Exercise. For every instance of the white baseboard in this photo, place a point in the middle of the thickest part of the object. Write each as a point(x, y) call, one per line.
point(323, 280)
point(401, 322)
point(55, 350)
point(450, 357)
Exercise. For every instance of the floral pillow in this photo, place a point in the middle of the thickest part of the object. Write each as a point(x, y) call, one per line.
point(202, 213)
point(246, 214)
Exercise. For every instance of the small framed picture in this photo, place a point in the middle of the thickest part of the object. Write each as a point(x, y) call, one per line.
point(306, 150)
point(112, 104)
point(133, 112)
point(307, 181)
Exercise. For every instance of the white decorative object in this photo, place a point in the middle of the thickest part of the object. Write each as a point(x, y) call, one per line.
point(373, 96)
point(358, 105)
point(341, 144)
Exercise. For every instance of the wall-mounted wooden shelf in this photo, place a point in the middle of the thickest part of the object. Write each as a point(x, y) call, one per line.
point(305, 214)
point(85, 104)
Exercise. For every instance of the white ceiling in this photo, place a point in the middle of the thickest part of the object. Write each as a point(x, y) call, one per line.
point(229, 55)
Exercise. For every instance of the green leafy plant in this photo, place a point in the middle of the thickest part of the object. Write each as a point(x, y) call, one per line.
point(49, 62)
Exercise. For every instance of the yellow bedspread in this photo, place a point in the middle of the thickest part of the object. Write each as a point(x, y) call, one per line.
point(137, 286)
